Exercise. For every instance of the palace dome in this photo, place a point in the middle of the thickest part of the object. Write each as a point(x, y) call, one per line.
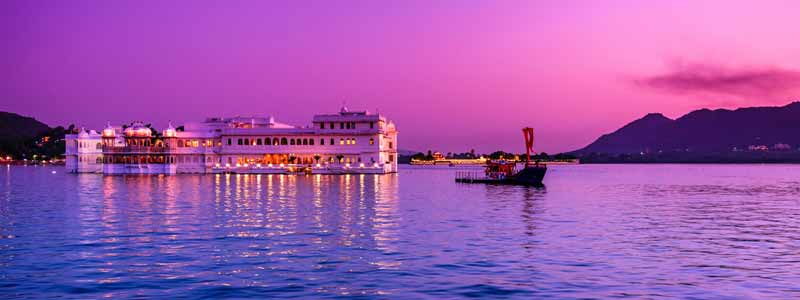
point(109, 131)
point(137, 129)
point(170, 131)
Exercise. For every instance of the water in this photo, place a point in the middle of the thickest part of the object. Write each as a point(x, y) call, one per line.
point(595, 231)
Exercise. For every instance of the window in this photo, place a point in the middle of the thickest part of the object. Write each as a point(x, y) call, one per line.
point(390, 145)
point(341, 125)
point(180, 143)
point(321, 125)
point(371, 125)
point(322, 141)
point(229, 142)
point(311, 142)
point(247, 141)
point(283, 141)
point(258, 142)
point(341, 141)
point(332, 143)
point(371, 141)
point(331, 125)
point(348, 125)
point(275, 141)
point(305, 141)
point(292, 142)
point(239, 141)
point(354, 141)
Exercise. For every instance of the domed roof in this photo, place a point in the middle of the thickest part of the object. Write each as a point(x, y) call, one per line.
point(83, 133)
point(170, 131)
point(137, 129)
point(109, 131)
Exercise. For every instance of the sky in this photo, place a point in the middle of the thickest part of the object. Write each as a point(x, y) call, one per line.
point(452, 75)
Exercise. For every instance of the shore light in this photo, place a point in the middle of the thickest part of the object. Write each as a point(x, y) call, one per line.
point(318, 165)
point(375, 165)
point(347, 165)
point(361, 165)
point(217, 165)
point(238, 165)
point(227, 165)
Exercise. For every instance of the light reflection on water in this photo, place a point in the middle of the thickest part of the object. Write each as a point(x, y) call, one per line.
point(655, 231)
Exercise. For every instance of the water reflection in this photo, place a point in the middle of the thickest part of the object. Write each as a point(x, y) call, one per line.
point(637, 229)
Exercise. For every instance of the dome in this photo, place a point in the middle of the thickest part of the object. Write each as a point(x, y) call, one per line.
point(137, 129)
point(83, 134)
point(109, 131)
point(170, 131)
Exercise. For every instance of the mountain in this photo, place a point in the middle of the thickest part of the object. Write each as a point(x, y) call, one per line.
point(703, 132)
point(15, 127)
point(23, 137)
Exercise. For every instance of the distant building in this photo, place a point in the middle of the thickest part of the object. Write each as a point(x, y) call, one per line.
point(757, 148)
point(781, 147)
point(347, 142)
point(438, 156)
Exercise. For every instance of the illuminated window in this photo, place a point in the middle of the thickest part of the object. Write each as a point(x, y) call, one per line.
point(371, 141)
point(341, 141)
point(354, 141)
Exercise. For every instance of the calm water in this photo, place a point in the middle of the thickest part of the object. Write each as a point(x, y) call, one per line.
point(595, 231)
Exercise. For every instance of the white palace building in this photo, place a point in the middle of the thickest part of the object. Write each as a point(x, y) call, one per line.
point(345, 143)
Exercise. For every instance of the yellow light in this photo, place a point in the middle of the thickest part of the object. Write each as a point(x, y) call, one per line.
point(361, 165)
point(217, 165)
point(245, 165)
point(227, 165)
point(281, 165)
point(375, 165)
point(238, 164)
point(258, 165)
point(269, 165)
point(318, 165)
point(347, 165)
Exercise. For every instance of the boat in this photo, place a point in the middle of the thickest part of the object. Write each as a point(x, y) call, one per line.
point(505, 172)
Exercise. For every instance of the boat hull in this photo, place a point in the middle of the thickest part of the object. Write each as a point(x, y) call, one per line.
point(530, 176)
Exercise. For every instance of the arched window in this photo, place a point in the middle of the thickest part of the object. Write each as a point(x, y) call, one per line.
point(247, 142)
point(291, 142)
point(239, 142)
point(341, 141)
point(258, 142)
point(275, 141)
point(322, 141)
point(305, 141)
point(371, 141)
point(284, 141)
point(332, 143)
point(311, 142)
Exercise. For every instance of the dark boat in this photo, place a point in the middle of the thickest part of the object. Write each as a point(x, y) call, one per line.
point(504, 172)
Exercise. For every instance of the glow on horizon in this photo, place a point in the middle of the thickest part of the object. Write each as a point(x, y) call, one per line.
point(452, 75)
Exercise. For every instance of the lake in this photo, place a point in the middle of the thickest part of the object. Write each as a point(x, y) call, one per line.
point(594, 231)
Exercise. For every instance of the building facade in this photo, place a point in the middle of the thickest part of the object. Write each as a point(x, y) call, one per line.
point(347, 142)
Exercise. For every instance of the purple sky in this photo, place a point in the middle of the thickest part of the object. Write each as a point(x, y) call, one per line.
point(453, 75)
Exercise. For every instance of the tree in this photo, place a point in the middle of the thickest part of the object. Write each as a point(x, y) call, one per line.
point(317, 157)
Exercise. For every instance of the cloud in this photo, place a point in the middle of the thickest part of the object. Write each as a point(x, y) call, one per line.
point(763, 83)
